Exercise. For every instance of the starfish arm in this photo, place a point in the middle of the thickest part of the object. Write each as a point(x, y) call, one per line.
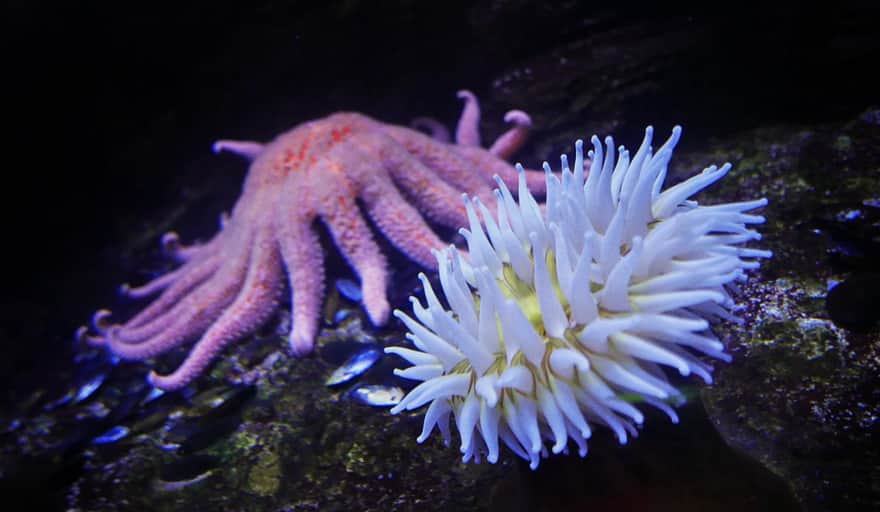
point(181, 253)
point(246, 148)
point(401, 222)
point(435, 129)
point(510, 141)
point(434, 198)
point(174, 333)
point(153, 286)
point(304, 258)
point(253, 304)
point(187, 318)
point(82, 335)
point(467, 133)
point(199, 308)
point(191, 275)
point(437, 199)
point(211, 294)
point(353, 237)
point(172, 246)
point(443, 160)
point(101, 323)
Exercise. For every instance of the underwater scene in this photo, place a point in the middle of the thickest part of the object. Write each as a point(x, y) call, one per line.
point(441, 256)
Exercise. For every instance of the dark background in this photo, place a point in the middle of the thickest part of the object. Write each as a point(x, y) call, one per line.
point(111, 109)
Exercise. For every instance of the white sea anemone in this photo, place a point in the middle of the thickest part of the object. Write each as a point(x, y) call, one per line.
point(564, 315)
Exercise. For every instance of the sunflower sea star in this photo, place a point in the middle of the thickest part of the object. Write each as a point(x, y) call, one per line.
point(227, 287)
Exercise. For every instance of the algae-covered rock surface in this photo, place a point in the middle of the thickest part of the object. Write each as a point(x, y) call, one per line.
point(286, 442)
point(801, 395)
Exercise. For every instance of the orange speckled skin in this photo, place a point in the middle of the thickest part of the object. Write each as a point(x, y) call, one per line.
point(333, 170)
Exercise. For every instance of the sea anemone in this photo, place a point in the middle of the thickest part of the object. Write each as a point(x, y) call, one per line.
point(562, 315)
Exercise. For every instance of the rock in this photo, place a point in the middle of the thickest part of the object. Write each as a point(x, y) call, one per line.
point(801, 395)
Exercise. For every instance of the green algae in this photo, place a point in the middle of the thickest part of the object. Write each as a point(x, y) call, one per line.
point(265, 476)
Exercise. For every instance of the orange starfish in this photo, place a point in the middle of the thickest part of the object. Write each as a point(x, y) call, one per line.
point(227, 287)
